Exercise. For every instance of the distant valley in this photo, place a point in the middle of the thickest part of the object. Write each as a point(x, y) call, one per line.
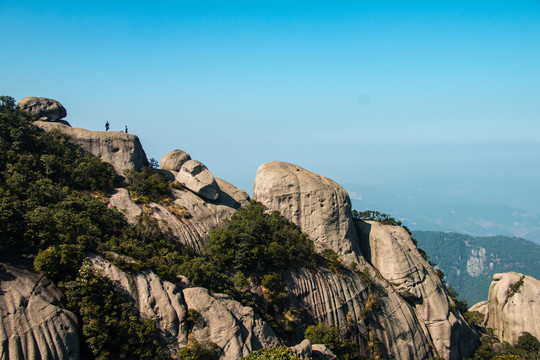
point(469, 262)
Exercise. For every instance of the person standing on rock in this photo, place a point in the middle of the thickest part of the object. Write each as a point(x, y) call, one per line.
point(107, 126)
point(126, 129)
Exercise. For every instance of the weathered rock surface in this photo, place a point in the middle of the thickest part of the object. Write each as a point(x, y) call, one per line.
point(43, 108)
point(392, 252)
point(154, 299)
point(173, 160)
point(123, 151)
point(204, 216)
point(340, 300)
point(303, 350)
point(197, 178)
point(34, 325)
point(321, 352)
point(120, 199)
point(319, 206)
point(514, 311)
point(236, 329)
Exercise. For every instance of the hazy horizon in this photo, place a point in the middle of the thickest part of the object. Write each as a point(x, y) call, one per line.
point(437, 102)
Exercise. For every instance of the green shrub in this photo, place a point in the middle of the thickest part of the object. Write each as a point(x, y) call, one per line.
point(147, 185)
point(257, 242)
point(59, 262)
point(514, 288)
point(273, 288)
point(195, 351)
point(332, 260)
point(277, 353)
point(331, 337)
point(375, 216)
point(474, 318)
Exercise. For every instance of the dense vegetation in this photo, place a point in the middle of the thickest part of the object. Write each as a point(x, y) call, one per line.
point(527, 347)
point(453, 251)
point(331, 337)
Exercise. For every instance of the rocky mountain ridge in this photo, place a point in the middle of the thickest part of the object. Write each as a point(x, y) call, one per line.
point(378, 291)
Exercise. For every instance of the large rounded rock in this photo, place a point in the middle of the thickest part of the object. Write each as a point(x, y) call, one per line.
point(319, 206)
point(197, 178)
point(34, 325)
point(43, 108)
point(173, 160)
point(121, 150)
point(514, 306)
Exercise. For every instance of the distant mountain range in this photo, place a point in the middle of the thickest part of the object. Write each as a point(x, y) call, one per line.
point(469, 262)
point(476, 212)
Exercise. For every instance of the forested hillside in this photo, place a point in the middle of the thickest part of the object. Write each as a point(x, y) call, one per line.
point(469, 262)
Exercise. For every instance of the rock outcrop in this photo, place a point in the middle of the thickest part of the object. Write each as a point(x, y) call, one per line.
point(191, 227)
point(197, 178)
point(200, 216)
point(123, 151)
point(481, 307)
point(34, 324)
point(43, 108)
point(319, 206)
point(513, 306)
point(234, 328)
point(391, 251)
point(119, 199)
point(173, 160)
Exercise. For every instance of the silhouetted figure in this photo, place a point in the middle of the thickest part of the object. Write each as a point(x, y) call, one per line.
point(107, 126)
point(126, 129)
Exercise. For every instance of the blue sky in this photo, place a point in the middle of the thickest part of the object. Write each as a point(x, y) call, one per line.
point(364, 92)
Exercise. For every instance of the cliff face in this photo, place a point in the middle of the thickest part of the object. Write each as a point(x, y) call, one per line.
point(321, 208)
point(121, 150)
point(34, 325)
point(512, 306)
point(342, 300)
point(392, 252)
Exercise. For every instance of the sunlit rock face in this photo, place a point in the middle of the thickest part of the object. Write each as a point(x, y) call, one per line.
point(341, 300)
point(234, 328)
point(34, 325)
point(392, 252)
point(121, 150)
point(43, 108)
point(319, 206)
point(197, 178)
point(513, 306)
